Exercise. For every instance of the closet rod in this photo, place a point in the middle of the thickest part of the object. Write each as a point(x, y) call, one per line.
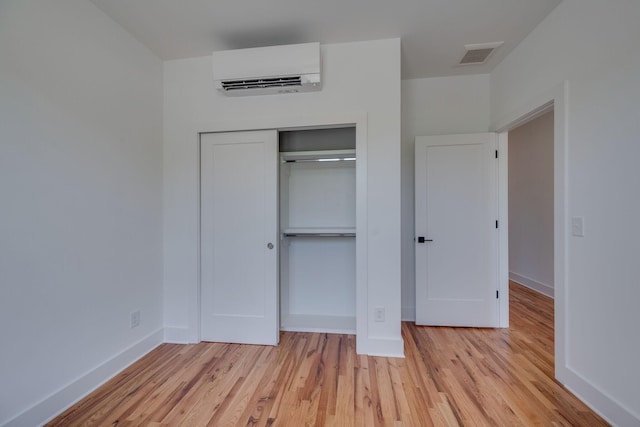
point(341, 159)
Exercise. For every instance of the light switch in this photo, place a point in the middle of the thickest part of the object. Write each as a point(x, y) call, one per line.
point(577, 226)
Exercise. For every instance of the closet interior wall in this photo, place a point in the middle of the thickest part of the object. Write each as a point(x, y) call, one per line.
point(317, 230)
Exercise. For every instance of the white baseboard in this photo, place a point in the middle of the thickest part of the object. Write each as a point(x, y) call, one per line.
point(382, 347)
point(530, 283)
point(408, 313)
point(57, 402)
point(605, 406)
point(179, 336)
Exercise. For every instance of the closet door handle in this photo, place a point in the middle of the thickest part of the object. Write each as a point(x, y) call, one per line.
point(421, 239)
point(270, 245)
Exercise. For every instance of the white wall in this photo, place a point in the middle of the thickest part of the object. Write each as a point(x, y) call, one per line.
point(433, 106)
point(358, 78)
point(593, 45)
point(80, 210)
point(531, 204)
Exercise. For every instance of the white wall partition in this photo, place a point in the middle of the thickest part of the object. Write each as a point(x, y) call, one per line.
point(81, 204)
point(370, 100)
point(594, 46)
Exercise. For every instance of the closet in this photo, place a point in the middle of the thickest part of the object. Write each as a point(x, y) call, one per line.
point(278, 242)
point(317, 197)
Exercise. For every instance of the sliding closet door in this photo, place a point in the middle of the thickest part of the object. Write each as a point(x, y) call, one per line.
point(239, 237)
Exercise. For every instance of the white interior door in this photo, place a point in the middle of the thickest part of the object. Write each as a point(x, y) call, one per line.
point(239, 237)
point(456, 214)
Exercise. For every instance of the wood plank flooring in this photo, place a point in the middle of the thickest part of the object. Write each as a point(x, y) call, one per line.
point(450, 377)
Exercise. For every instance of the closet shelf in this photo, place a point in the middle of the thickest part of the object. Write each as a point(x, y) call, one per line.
point(320, 232)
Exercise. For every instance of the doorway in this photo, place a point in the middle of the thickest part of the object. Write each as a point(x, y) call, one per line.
point(531, 205)
point(531, 220)
point(556, 100)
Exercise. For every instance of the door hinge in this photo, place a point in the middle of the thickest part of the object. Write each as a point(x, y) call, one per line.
point(497, 294)
point(496, 223)
point(496, 154)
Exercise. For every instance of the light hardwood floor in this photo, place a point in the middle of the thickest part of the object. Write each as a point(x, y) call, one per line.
point(450, 377)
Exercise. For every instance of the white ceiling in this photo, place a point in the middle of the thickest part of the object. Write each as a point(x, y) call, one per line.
point(433, 32)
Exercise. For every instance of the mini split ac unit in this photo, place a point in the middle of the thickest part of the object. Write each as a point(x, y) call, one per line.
point(268, 70)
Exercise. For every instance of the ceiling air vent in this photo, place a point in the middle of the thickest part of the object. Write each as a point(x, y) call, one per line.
point(478, 53)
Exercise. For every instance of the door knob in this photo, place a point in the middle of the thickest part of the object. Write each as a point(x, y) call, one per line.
point(270, 245)
point(421, 239)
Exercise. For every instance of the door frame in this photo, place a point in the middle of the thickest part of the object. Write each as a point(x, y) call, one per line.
point(558, 100)
point(357, 120)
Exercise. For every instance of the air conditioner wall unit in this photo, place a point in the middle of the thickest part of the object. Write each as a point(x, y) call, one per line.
point(268, 70)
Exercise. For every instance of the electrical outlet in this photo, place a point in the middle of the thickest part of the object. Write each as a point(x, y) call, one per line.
point(135, 319)
point(577, 226)
point(378, 314)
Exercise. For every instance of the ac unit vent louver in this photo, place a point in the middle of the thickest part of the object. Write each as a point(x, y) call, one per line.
point(262, 83)
point(268, 70)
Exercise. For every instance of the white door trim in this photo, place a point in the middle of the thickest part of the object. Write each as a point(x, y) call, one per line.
point(558, 99)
